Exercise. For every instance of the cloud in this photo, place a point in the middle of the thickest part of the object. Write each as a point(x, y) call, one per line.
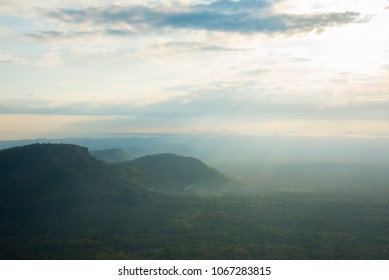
point(253, 72)
point(83, 35)
point(6, 58)
point(182, 46)
point(224, 104)
point(228, 6)
point(82, 51)
point(50, 60)
point(227, 105)
point(245, 16)
point(177, 48)
point(247, 23)
point(54, 35)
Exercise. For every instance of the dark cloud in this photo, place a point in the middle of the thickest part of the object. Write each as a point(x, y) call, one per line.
point(245, 16)
point(118, 32)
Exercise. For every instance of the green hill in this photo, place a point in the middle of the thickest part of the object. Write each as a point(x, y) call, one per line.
point(170, 173)
point(63, 188)
point(58, 201)
point(51, 186)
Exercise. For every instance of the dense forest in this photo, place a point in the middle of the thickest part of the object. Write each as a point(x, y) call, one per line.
point(57, 201)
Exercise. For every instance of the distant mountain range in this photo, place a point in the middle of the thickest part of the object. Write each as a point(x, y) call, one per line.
point(131, 146)
point(243, 149)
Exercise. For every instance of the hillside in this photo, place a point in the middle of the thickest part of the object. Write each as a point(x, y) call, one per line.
point(111, 155)
point(58, 201)
point(62, 186)
point(170, 173)
point(57, 185)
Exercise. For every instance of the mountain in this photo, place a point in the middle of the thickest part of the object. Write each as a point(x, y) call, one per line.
point(111, 155)
point(170, 173)
point(57, 200)
point(63, 186)
point(58, 185)
point(137, 146)
point(152, 148)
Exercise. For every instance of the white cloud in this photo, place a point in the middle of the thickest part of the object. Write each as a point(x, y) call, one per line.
point(81, 51)
point(50, 60)
point(6, 58)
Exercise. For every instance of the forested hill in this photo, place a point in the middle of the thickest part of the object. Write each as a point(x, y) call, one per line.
point(62, 190)
point(60, 184)
point(51, 182)
point(170, 173)
point(44, 166)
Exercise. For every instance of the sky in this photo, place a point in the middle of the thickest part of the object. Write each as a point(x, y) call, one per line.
point(93, 68)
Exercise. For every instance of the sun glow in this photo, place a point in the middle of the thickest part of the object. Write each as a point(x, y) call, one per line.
point(308, 6)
